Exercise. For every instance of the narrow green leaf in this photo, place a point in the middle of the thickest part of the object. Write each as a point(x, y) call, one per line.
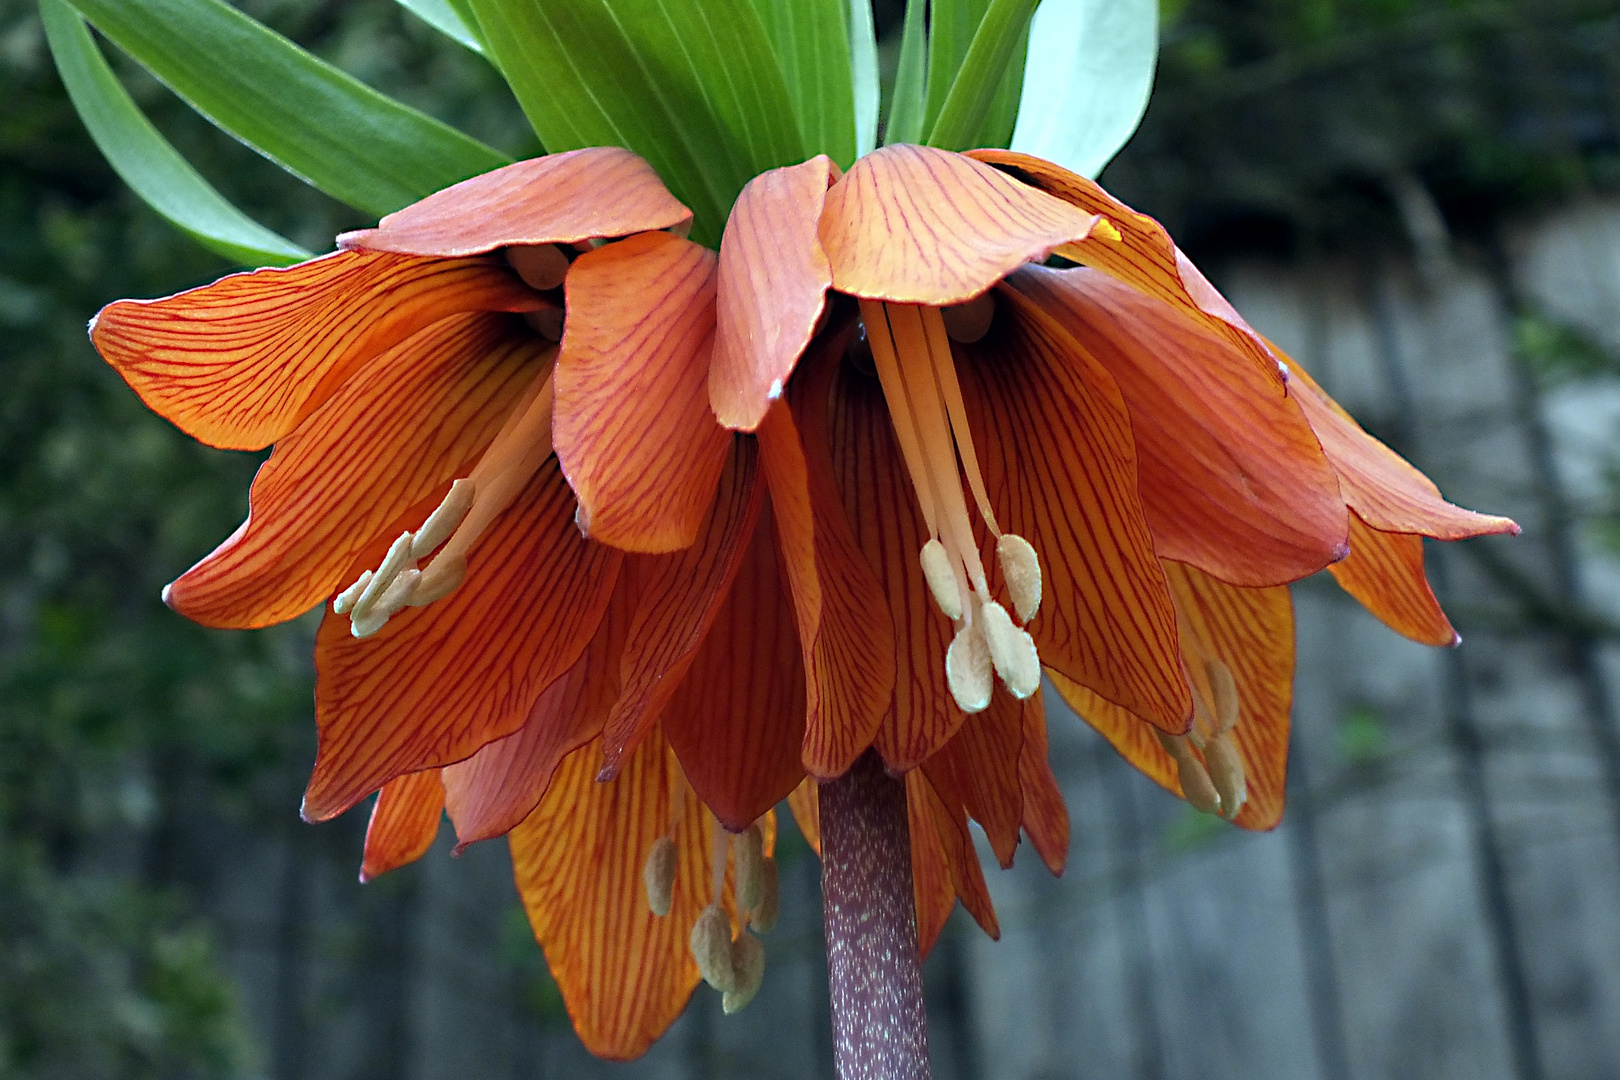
point(998, 123)
point(318, 123)
point(1089, 74)
point(908, 101)
point(444, 18)
point(140, 154)
point(995, 46)
point(864, 75)
point(812, 49)
point(691, 85)
point(951, 26)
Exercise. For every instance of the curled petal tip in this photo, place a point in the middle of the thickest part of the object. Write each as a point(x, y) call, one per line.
point(168, 595)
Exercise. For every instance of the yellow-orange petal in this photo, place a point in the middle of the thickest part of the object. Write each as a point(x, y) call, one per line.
point(438, 682)
point(405, 425)
point(240, 363)
point(772, 286)
point(1232, 477)
point(806, 808)
point(1385, 572)
point(1055, 447)
point(676, 599)
point(844, 629)
point(737, 721)
point(1046, 817)
point(916, 225)
point(632, 427)
point(624, 973)
point(601, 191)
point(1137, 250)
point(404, 822)
point(1381, 486)
point(979, 769)
point(931, 813)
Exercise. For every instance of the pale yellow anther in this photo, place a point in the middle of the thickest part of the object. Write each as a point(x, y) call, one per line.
point(1226, 773)
point(1196, 786)
point(1012, 651)
point(367, 621)
point(658, 874)
point(444, 519)
point(398, 557)
point(748, 971)
point(968, 669)
point(941, 578)
point(1224, 687)
point(345, 600)
point(711, 948)
point(763, 916)
point(1022, 571)
point(748, 862)
point(541, 266)
point(442, 577)
point(969, 322)
point(547, 322)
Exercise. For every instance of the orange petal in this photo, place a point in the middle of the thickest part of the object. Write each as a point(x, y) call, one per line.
point(882, 510)
point(1385, 572)
point(1055, 446)
point(677, 598)
point(933, 888)
point(1138, 251)
point(602, 191)
point(438, 682)
point(1046, 818)
point(979, 768)
point(625, 973)
point(844, 629)
point(1380, 485)
point(772, 287)
point(633, 427)
point(737, 722)
point(1133, 738)
point(950, 831)
point(405, 425)
point(1233, 480)
point(240, 363)
point(917, 225)
point(404, 822)
point(490, 792)
point(806, 809)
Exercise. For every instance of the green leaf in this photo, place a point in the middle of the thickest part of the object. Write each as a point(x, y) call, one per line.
point(864, 75)
point(999, 120)
point(812, 49)
point(995, 47)
point(140, 154)
point(318, 123)
point(444, 18)
point(1089, 74)
point(951, 26)
point(693, 86)
point(908, 101)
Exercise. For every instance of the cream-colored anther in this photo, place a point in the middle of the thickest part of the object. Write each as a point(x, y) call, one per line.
point(367, 621)
point(1012, 651)
point(547, 322)
point(763, 916)
point(444, 519)
point(399, 555)
point(968, 669)
point(969, 322)
point(1196, 786)
point(1224, 687)
point(711, 948)
point(748, 971)
point(659, 876)
point(541, 266)
point(941, 578)
point(1226, 773)
point(442, 577)
point(748, 862)
point(1022, 571)
point(344, 602)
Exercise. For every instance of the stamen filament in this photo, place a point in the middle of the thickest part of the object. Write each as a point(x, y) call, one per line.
point(884, 357)
point(950, 390)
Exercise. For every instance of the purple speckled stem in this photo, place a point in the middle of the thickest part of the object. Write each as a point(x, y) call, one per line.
point(880, 1030)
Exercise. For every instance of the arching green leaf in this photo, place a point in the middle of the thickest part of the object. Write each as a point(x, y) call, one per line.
point(812, 49)
point(908, 101)
point(443, 17)
point(318, 123)
point(863, 59)
point(968, 109)
point(143, 157)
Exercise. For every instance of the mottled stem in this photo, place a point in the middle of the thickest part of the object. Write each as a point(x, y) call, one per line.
point(880, 1030)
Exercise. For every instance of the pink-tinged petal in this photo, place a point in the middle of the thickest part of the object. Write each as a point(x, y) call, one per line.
point(240, 363)
point(405, 425)
point(601, 191)
point(1385, 572)
point(439, 682)
point(772, 287)
point(404, 822)
point(917, 225)
point(633, 427)
point(1055, 446)
point(1380, 485)
point(1046, 818)
point(1233, 479)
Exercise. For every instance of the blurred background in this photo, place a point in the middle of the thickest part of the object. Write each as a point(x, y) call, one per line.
point(1418, 198)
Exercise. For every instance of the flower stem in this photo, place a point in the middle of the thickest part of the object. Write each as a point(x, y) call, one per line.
point(880, 1030)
